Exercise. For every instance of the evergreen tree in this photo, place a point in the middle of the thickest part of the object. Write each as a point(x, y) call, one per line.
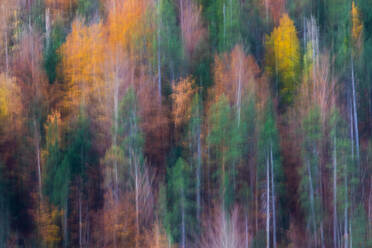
point(180, 217)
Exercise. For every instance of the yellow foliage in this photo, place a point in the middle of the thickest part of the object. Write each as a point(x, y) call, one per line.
point(357, 27)
point(283, 56)
point(182, 97)
point(82, 63)
point(10, 100)
point(48, 224)
point(127, 26)
point(52, 128)
point(94, 56)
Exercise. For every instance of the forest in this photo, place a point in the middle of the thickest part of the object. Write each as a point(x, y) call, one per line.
point(186, 123)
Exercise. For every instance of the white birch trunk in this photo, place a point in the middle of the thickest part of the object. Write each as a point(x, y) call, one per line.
point(273, 196)
point(183, 226)
point(335, 193)
point(311, 200)
point(198, 175)
point(355, 110)
point(267, 203)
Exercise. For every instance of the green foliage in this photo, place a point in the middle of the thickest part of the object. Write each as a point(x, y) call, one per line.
point(168, 42)
point(88, 8)
point(131, 138)
point(180, 200)
point(224, 141)
point(310, 172)
point(51, 55)
point(224, 24)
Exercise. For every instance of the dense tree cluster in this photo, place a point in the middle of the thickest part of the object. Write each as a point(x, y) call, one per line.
point(185, 123)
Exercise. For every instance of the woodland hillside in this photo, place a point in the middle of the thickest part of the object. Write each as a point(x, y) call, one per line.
point(186, 123)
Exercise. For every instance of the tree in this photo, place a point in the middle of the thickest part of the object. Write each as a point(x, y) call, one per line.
point(235, 75)
point(51, 56)
point(182, 97)
point(270, 175)
point(168, 44)
point(224, 23)
point(180, 215)
point(283, 58)
point(31, 78)
point(82, 60)
point(192, 29)
point(223, 140)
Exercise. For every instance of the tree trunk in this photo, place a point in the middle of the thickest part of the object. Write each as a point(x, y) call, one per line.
point(198, 174)
point(137, 201)
point(159, 58)
point(65, 224)
point(246, 231)
point(183, 226)
point(239, 94)
point(267, 203)
point(334, 193)
point(355, 110)
point(80, 220)
point(311, 200)
point(37, 150)
point(273, 195)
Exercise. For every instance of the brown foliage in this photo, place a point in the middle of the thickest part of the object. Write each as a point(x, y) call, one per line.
point(192, 28)
point(234, 70)
point(318, 90)
point(27, 68)
point(182, 97)
point(154, 121)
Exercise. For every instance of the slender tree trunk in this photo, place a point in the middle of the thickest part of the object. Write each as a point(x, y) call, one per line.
point(183, 226)
point(65, 225)
point(311, 200)
point(198, 175)
point(6, 52)
point(137, 201)
point(38, 160)
point(273, 196)
point(355, 110)
point(80, 220)
point(334, 193)
point(224, 24)
point(267, 203)
point(116, 120)
point(239, 94)
point(159, 59)
point(246, 231)
point(47, 26)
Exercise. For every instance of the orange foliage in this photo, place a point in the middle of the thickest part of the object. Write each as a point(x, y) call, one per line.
point(357, 27)
point(182, 97)
point(234, 72)
point(48, 224)
point(83, 56)
point(119, 222)
point(127, 26)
